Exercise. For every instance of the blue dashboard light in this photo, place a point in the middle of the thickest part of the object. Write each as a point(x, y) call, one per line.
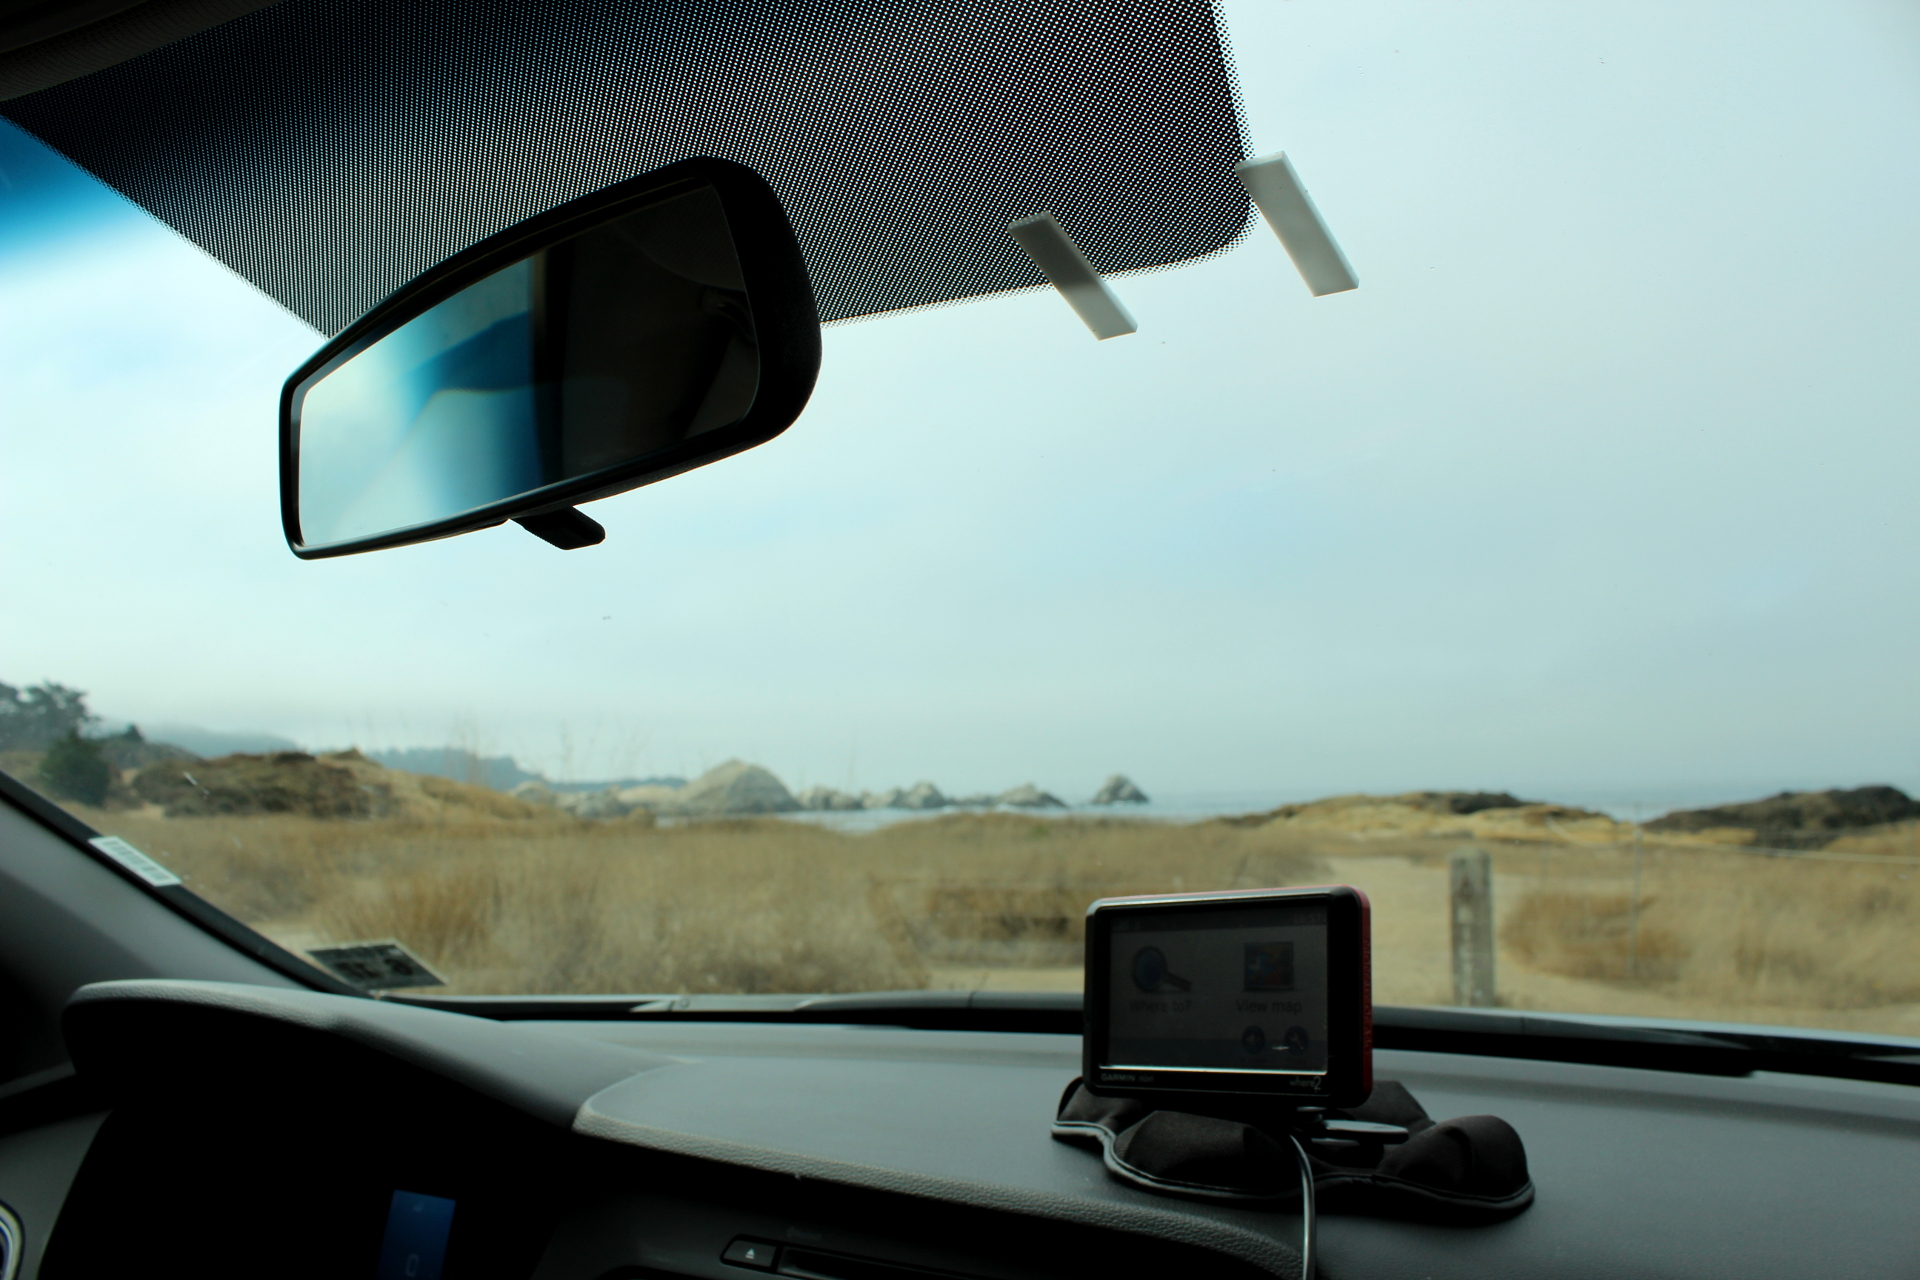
point(415, 1247)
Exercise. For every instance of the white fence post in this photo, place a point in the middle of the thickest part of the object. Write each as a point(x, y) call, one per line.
point(1633, 911)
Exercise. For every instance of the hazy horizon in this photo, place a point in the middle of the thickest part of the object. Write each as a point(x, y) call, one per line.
point(1621, 802)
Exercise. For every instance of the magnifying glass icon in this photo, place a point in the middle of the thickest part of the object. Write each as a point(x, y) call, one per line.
point(1150, 972)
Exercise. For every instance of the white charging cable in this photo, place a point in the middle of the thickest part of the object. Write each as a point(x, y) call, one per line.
point(1306, 1208)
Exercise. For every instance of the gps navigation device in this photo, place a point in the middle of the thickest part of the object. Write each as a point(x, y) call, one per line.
point(1263, 992)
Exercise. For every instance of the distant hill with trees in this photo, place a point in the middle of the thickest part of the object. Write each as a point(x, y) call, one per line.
point(502, 773)
point(49, 720)
point(36, 717)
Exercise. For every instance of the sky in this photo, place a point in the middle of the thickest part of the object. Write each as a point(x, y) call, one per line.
point(1601, 487)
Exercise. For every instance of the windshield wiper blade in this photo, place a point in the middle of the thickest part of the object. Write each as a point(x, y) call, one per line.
point(1048, 1012)
point(1514, 1035)
point(1052, 1012)
point(1697, 1048)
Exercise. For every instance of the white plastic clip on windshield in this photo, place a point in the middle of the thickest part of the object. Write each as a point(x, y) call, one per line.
point(1284, 203)
point(1068, 270)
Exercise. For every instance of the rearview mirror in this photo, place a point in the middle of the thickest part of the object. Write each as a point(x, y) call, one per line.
point(641, 331)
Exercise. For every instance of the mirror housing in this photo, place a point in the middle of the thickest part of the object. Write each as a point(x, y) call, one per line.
point(649, 328)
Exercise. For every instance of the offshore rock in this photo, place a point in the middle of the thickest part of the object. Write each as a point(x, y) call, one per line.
point(536, 793)
point(888, 799)
point(921, 795)
point(610, 802)
point(826, 799)
point(1119, 789)
point(653, 796)
point(735, 787)
point(1028, 796)
point(594, 804)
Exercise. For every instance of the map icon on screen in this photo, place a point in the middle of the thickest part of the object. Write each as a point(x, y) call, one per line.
point(1269, 966)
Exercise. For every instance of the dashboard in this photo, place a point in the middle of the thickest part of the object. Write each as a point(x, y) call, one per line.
point(255, 1130)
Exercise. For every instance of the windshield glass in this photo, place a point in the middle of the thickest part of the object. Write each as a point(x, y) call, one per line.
point(1575, 536)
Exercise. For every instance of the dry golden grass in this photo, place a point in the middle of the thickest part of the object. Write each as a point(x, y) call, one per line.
point(553, 904)
point(1720, 926)
point(744, 905)
point(1591, 935)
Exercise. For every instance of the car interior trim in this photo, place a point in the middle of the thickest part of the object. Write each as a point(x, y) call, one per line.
point(177, 898)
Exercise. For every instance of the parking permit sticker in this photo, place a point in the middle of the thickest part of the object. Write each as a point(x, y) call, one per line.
point(135, 861)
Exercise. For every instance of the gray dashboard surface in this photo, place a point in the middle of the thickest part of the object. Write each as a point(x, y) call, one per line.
point(1639, 1173)
point(66, 920)
point(114, 1026)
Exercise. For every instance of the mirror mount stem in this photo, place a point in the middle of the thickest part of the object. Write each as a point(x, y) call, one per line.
point(565, 527)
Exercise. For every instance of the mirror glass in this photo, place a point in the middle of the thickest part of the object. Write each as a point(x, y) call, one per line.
point(620, 342)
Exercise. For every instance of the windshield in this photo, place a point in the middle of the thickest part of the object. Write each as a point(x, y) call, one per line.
point(1573, 538)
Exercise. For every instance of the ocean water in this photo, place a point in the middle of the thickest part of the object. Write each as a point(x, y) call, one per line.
point(1193, 807)
point(1626, 804)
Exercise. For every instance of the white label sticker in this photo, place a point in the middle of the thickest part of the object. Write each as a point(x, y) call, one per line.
point(135, 861)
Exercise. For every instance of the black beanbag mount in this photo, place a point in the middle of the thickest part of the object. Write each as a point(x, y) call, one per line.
point(1465, 1171)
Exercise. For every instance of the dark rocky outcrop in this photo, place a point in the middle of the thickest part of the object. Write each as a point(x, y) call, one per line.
point(1455, 802)
point(1490, 815)
point(281, 782)
point(1464, 801)
point(1798, 819)
point(1119, 789)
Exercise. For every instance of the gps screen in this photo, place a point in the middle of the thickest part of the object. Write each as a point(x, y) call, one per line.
point(1213, 990)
